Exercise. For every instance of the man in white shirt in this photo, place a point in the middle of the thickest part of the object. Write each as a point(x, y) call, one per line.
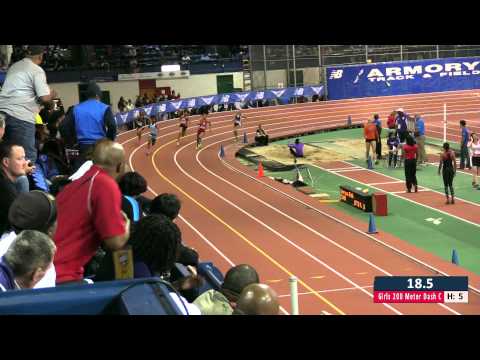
point(25, 88)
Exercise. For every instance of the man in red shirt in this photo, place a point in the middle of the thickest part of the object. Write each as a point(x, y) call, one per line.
point(89, 213)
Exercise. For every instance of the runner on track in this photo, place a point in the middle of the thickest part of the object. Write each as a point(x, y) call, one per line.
point(202, 126)
point(237, 122)
point(140, 123)
point(183, 126)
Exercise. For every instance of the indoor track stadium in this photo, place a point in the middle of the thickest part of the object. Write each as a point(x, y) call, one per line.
point(304, 222)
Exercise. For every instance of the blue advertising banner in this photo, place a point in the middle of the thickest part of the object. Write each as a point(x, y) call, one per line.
point(407, 77)
point(172, 106)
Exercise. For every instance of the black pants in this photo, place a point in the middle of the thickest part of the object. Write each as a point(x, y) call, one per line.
point(402, 135)
point(464, 156)
point(411, 173)
point(261, 140)
point(378, 148)
point(393, 156)
point(448, 180)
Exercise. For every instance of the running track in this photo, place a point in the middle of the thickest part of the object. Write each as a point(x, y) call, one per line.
point(231, 217)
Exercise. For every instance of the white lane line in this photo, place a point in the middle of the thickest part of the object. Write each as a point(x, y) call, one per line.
point(341, 275)
point(209, 243)
point(386, 183)
point(404, 192)
point(327, 291)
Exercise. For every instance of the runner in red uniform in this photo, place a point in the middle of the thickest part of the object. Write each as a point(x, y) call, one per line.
point(183, 126)
point(202, 126)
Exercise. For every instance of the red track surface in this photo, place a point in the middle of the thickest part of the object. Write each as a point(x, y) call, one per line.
point(231, 217)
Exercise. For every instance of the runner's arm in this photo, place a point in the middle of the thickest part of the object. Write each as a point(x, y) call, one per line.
point(440, 165)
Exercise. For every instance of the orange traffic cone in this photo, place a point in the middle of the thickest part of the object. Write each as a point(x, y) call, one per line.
point(260, 170)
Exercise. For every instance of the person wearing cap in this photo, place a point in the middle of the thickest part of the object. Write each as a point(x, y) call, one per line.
point(222, 302)
point(89, 122)
point(24, 89)
point(34, 210)
point(26, 261)
point(257, 299)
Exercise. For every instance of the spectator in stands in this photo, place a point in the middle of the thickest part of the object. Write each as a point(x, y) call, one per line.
point(257, 299)
point(12, 166)
point(129, 105)
point(420, 140)
point(145, 99)
point(261, 137)
point(155, 244)
point(25, 85)
point(121, 104)
point(132, 185)
point(89, 213)
point(169, 205)
point(89, 122)
point(138, 102)
point(213, 302)
point(27, 261)
point(34, 210)
point(464, 145)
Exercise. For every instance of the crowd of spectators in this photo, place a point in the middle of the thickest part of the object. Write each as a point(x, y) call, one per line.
point(82, 205)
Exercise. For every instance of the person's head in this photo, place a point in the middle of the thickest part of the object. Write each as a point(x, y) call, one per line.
point(297, 141)
point(260, 126)
point(417, 117)
point(474, 136)
point(400, 111)
point(410, 140)
point(376, 116)
point(463, 123)
point(446, 146)
point(12, 159)
point(93, 90)
point(166, 204)
point(110, 156)
point(156, 242)
point(257, 299)
point(35, 53)
point(132, 184)
point(141, 114)
point(2, 126)
point(237, 279)
point(34, 210)
point(29, 257)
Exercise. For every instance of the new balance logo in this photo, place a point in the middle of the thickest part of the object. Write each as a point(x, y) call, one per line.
point(336, 74)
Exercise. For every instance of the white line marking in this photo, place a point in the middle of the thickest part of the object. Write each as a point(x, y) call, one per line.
point(327, 291)
point(313, 257)
point(387, 183)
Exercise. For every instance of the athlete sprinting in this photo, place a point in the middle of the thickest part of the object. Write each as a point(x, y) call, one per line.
point(202, 127)
point(140, 122)
point(183, 126)
point(153, 127)
point(237, 123)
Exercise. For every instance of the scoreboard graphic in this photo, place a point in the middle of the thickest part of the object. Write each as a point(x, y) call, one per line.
point(420, 289)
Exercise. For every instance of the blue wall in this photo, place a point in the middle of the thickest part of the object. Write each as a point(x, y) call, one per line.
point(408, 77)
